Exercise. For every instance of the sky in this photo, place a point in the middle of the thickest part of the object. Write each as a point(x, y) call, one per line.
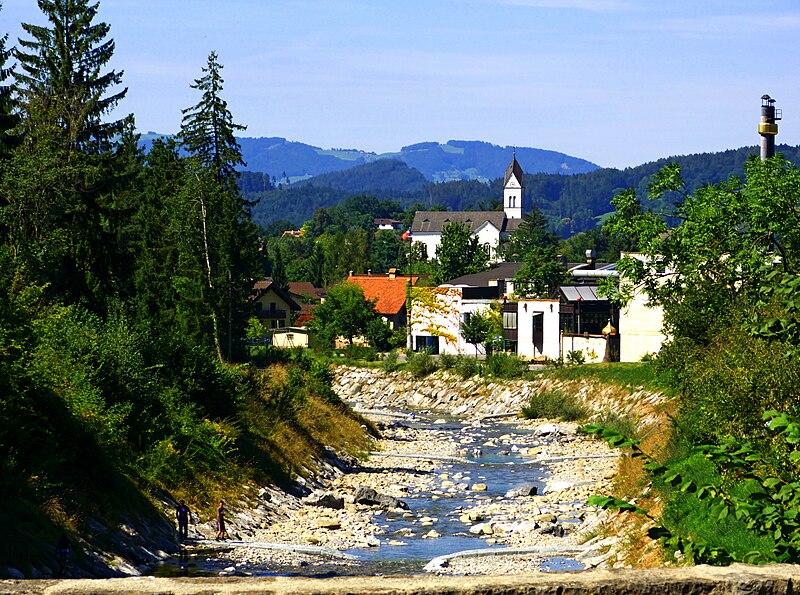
point(617, 82)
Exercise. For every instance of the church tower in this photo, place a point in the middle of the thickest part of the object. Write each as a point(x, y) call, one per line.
point(513, 190)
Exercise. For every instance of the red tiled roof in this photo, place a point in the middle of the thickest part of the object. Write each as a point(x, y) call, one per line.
point(390, 293)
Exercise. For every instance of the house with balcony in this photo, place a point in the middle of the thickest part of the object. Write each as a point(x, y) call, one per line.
point(273, 306)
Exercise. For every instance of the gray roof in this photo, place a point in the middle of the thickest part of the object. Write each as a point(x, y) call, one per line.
point(502, 270)
point(435, 221)
point(584, 293)
point(515, 169)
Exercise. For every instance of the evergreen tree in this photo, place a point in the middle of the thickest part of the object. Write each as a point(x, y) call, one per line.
point(228, 239)
point(8, 119)
point(60, 75)
point(535, 246)
point(61, 184)
point(207, 129)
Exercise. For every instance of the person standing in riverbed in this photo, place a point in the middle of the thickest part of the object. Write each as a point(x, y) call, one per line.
point(182, 514)
point(221, 510)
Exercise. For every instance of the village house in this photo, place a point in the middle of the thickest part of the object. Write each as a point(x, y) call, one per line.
point(272, 305)
point(389, 292)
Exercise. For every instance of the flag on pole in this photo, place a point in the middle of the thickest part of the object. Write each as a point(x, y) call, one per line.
point(406, 235)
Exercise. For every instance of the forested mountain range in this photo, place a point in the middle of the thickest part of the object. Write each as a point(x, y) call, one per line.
point(287, 161)
point(572, 203)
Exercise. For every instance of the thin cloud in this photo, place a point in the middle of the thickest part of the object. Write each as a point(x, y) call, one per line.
point(731, 25)
point(588, 5)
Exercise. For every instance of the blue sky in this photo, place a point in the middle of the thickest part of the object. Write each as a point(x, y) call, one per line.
point(618, 82)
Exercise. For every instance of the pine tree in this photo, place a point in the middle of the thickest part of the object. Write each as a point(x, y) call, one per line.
point(60, 76)
point(61, 185)
point(228, 237)
point(207, 129)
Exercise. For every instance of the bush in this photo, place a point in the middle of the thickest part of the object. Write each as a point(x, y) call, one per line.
point(467, 367)
point(420, 364)
point(619, 423)
point(576, 358)
point(505, 365)
point(362, 352)
point(390, 362)
point(553, 404)
point(447, 361)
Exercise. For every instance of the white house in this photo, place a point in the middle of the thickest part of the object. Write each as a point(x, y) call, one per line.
point(538, 329)
point(490, 227)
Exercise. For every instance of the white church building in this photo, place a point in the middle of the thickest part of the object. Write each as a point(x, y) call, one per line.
point(490, 227)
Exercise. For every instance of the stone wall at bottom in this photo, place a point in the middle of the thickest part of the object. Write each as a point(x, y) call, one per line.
point(697, 580)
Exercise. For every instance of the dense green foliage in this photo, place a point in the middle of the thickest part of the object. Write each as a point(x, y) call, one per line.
point(347, 313)
point(729, 502)
point(535, 246)
point(723, 265)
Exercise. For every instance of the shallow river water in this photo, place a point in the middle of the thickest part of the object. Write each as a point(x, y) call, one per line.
point(493, 453)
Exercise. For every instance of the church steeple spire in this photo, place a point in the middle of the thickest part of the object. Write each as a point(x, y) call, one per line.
point(513, 189)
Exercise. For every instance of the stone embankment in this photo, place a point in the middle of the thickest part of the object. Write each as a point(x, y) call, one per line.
point(442, 391)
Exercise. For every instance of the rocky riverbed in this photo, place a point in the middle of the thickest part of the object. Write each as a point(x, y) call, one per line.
point(434, 485)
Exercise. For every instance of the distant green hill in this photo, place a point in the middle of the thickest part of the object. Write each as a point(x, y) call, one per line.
point(573, 203)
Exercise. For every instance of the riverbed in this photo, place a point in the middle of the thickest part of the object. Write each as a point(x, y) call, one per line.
point(509, 492)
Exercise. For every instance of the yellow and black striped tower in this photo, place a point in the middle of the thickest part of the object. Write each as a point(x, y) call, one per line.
point(767, 128)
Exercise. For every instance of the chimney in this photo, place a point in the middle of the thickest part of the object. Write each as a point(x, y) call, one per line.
point(392, 274)
point(350, 274)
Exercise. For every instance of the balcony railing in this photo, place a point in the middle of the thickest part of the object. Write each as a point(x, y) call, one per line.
point(271, 314)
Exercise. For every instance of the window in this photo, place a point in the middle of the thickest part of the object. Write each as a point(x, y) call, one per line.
point(273, 306)
point(510, 320)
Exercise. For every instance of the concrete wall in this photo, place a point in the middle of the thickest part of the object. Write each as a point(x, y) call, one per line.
point(592, 346)
point(773, 579)
point(640, 329)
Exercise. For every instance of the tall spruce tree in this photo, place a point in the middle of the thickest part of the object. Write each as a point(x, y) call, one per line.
point(60, 187)
point(207, 129)
point(61, 78)
point(227, 236)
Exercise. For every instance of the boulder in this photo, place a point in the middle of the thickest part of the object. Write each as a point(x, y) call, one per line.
point(547, 430)
point(325, 500)
point(328, 523)
point(522, 491)
point(368, 496)
point(551, 529)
